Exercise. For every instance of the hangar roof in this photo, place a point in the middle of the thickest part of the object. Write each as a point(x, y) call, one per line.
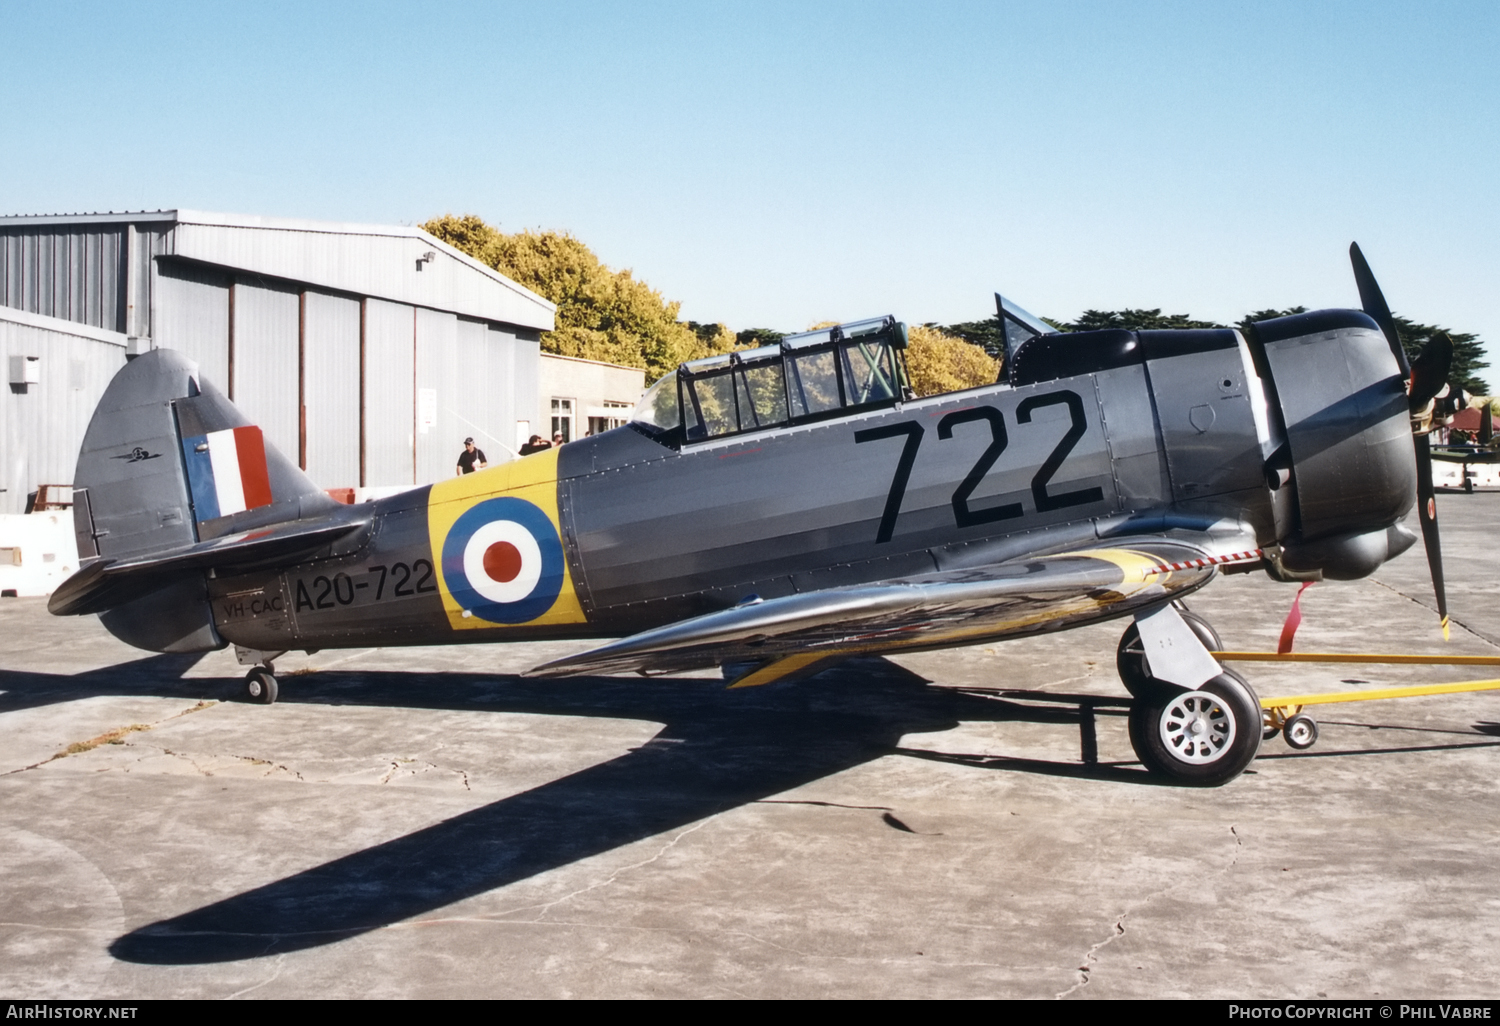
point(401, 263)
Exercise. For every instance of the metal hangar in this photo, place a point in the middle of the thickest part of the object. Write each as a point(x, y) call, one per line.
point(367, 353)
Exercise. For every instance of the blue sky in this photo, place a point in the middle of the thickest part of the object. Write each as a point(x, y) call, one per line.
point(773, 164)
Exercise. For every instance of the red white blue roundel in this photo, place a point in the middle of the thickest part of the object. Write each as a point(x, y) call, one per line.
point(503, 561)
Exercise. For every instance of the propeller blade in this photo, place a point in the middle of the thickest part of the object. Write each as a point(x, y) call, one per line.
point(1427, 505)
point(1373, 302)
point(1486, 425)
point(1429, 374)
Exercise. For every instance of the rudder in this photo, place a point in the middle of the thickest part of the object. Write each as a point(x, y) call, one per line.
point(167, 462)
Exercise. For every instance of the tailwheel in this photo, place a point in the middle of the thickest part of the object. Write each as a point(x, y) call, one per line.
point(260, 685)
point(1135, 671)
point(1200, 738)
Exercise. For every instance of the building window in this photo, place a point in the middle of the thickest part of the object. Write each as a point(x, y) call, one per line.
point(562, 418)
point(608, 415)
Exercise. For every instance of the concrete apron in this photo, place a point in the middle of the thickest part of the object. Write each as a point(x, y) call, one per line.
point(968, 823)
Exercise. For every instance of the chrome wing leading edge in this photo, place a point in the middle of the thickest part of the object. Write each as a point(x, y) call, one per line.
point(799, 634)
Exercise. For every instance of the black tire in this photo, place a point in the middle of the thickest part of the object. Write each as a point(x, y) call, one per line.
point(1300, 732)
point(1130, 659)
point(260, 686)
point(1228, 703)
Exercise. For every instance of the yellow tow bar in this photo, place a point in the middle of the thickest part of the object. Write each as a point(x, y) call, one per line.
point(1284, 712)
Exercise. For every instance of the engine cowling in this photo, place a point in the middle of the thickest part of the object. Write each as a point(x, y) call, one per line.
point(1347, 454)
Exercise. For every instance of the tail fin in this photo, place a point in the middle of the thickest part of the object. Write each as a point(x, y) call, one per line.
point(168, 462)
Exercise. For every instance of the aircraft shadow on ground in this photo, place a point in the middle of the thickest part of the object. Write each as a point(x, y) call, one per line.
point(718, 749)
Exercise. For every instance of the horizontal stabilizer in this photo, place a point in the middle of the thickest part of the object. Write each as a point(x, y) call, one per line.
point(926, 611)
point(107, 583)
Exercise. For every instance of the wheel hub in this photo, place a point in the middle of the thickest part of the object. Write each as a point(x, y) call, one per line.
point(1197, 728)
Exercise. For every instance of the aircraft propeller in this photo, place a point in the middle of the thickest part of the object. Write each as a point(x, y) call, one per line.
point(1426, 379)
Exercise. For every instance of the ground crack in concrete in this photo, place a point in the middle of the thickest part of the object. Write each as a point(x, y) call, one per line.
point(111, 737)
point(1086, 967)
point(1452, 620)
point(596, 885)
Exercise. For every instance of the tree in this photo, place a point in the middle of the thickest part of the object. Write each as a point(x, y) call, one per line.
point(1268, 315)
point(1133, 320)
point(602, 314)
point(754, 338)
point(939, 362)
point(988, 334)
point(1468, 353)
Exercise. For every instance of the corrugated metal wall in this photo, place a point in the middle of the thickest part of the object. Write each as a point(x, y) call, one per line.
point(198, 288)
point(81, 274)
point(265, 361)
point(479, 407)
point(524, 362)
point(42, 426)
point(70, 273)
point(439, 368)
point(192, 317)
point(331, 389)
point(389, 397)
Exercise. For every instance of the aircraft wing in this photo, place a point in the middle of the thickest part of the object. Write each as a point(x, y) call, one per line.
point(797, 634)
point(106, 583)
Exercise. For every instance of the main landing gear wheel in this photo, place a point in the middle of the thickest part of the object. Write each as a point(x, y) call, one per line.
point(1130, 658)
point(1200, 738)
point(260, 685)
point(1301, 732)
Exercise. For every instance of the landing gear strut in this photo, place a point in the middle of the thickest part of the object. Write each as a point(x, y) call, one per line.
point(1130, 658)
point(1201, 737)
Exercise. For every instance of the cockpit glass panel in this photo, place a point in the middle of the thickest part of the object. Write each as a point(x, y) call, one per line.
point(762, 394)
point(812, 382)
point(872, 326)
point(809, 376)
point(869, 375)
point(1011, 312)
point(1015, 334)
point(807, 339)
point(658, 407)
point(713, 411)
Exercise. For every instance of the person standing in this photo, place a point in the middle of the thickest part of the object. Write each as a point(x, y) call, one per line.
point(471, 459)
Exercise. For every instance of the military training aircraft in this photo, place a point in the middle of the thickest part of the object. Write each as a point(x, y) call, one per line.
point(777, 510)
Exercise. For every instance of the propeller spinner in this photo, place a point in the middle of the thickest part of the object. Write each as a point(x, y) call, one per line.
point(1426, 378)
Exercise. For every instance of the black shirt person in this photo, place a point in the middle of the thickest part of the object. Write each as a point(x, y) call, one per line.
point(469, 457)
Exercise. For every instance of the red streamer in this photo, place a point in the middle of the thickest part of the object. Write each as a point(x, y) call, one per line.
point(1293, 621)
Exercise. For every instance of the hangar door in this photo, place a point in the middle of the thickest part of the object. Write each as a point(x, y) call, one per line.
point(390, 435)
point(330, 389)
point(264, 368)
point(192, 316)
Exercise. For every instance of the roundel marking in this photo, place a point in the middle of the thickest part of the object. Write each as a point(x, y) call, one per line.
point(503, 561)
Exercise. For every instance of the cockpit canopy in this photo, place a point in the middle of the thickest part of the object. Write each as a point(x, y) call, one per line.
point(805, 377)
